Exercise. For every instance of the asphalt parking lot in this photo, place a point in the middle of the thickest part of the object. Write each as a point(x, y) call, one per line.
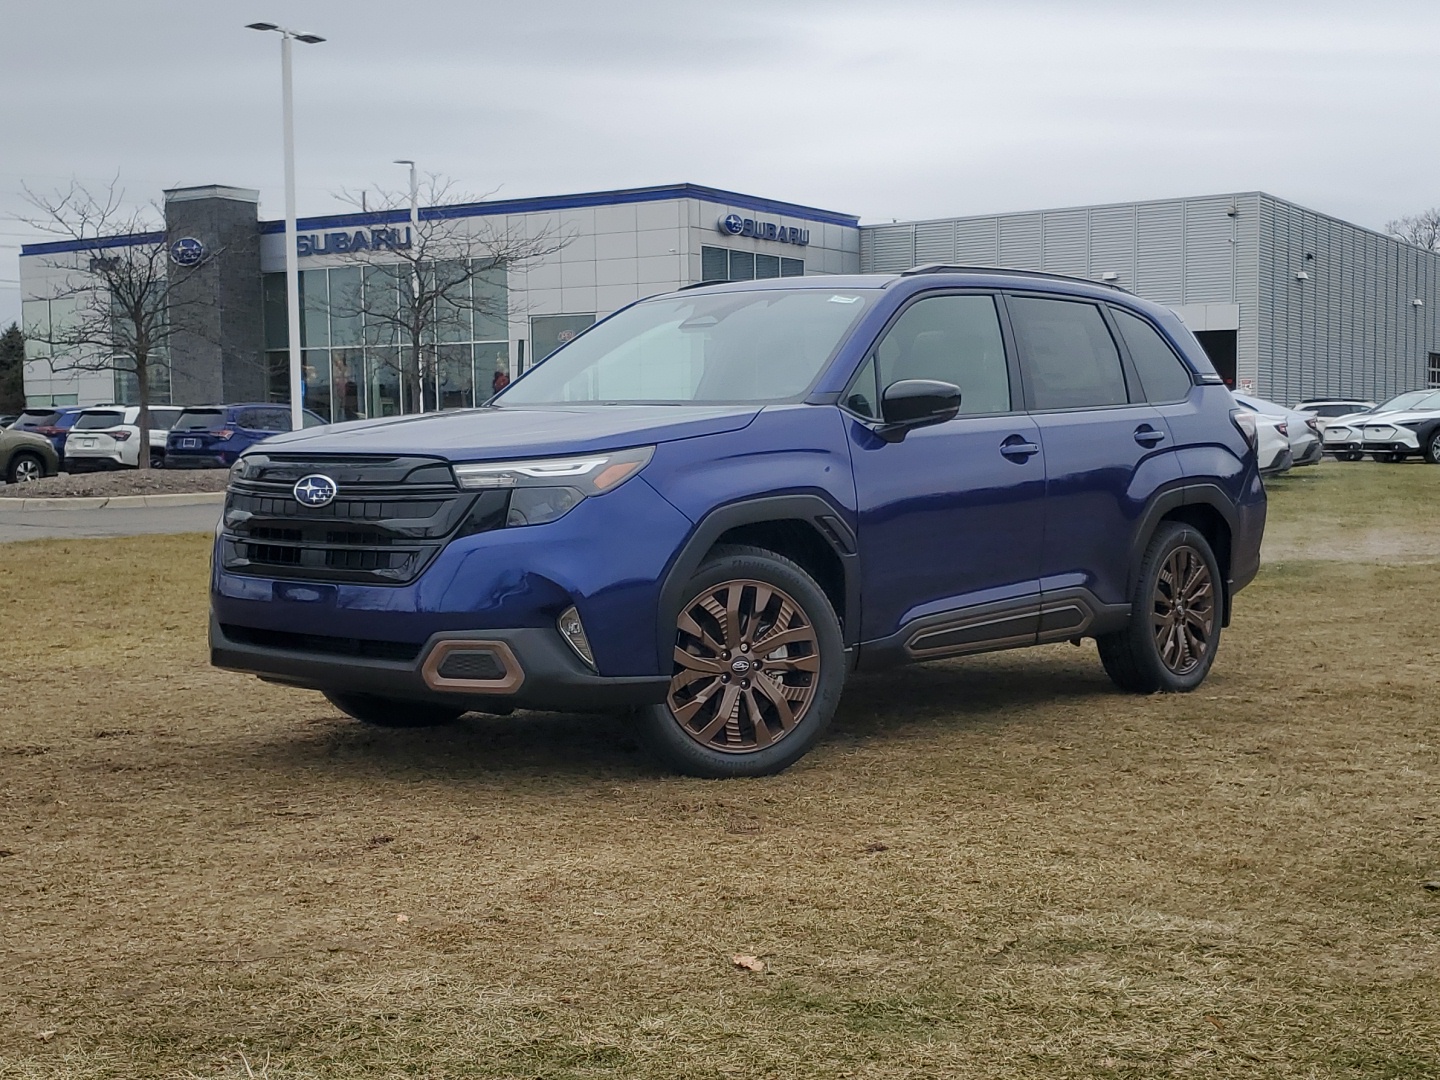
point(992, 867)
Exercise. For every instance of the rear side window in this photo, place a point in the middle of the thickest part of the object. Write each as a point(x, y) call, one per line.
point(163, 418)
point(1069, 357)
point(274, 419)
point(1163, 375)
point(953, 339)
point(29, 419)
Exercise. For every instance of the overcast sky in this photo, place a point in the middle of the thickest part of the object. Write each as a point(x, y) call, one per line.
point(891, 109)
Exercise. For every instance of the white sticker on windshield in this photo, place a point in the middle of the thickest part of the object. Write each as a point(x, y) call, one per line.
point(844, 299)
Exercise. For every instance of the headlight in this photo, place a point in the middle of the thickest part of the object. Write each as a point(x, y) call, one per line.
point(546, 489)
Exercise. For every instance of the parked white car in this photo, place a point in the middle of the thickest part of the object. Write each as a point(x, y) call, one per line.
point(108, 437)
point(1302, 427)
point(1394, 436)
point(1330, 407)
point(1343, 436)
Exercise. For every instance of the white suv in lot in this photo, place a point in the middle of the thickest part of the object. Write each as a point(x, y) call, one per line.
point(1344, 435)
point(108, 437)
point(1394, 436)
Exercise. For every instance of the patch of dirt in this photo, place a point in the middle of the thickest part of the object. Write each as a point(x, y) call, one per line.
point(119, 482)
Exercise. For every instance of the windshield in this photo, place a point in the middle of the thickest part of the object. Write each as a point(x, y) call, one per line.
point(698, 348)
point(1407, 400)
point(200, 420)
point(98, 421)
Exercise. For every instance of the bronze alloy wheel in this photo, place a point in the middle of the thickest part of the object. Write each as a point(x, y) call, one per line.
point(1184, 615)
point(747, 664)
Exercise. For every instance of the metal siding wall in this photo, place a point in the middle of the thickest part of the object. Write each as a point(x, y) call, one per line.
point(1112, 243)
point(1209, 254)
point(977, 242)
point(1160, 254)
point(1066, 238)
point(892, 248)
point(1020, 241)
point(934, 242)
point(1246, 230)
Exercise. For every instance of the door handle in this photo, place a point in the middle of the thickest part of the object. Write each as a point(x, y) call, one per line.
point(1017, 449)
point(1145, 435)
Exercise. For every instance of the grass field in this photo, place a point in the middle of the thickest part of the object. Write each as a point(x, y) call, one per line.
point(994, 867)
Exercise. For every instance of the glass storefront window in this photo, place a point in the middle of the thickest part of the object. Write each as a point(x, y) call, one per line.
point(490, 357)
point(348, 385)
point(346, 304)
point(384, 381)
point(277, 375)
point(490, 295)
point(315, 381)
point(767, 266)
point(457, 377)
point(315, 308)
point(277, 323)
point(714, 264)
point(792, 267)
point(742, 266)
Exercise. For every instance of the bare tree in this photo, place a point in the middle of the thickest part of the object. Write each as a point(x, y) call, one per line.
point(119, 287)
point(424, 283)
point(1422, 229)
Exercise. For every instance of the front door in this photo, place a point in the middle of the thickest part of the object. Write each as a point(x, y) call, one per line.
point(951, 517)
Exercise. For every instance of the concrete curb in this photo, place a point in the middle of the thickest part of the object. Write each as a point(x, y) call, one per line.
point(115, 502)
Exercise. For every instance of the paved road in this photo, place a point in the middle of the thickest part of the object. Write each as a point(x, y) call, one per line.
point(114, 521)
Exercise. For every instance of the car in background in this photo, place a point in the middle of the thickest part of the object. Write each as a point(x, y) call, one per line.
point(1394, 436)
point(8, 419)
point(26, 456)
point(1329, 408)
point(108, 437)
point(53, 423)
point(213, 436)
point(1342, 435)
point(1302, 429)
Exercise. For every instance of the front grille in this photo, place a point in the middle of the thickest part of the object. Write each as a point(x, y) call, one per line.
point(390, 517)
point(320, 643)
point(472, 664)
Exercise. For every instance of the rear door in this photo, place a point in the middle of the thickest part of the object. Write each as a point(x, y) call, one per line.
point(951, 517)
point(1107, 450)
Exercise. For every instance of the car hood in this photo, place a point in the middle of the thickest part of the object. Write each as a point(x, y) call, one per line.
point(1405, 416)
point(494, 433)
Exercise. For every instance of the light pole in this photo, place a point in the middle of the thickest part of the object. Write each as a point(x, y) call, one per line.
point(292, 270)
point(415, 288)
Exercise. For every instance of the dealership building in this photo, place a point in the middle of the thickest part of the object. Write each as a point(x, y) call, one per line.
point(1288, 302)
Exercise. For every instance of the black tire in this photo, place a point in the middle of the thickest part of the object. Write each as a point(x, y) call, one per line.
point(392, 712)
point(25, 467)
point(1384, 457)
point(1351, 455)
point(776, 705)
point(1135, 658)
point(1432, 447)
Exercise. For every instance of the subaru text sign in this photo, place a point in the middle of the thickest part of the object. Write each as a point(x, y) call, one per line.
point(735, 225)
point(349, 243)
point(187, 251)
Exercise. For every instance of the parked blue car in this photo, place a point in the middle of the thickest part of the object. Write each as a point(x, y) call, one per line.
point(712, 506)
point(53, 423)
point(214, 436)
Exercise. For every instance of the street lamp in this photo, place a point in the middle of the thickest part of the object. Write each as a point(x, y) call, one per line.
point(415, 288)
point(292, 270)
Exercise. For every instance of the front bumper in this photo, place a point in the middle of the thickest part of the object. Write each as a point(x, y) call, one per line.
point(532, 669)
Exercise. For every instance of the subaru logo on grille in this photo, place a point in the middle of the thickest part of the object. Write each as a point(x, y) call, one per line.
point(315, 490)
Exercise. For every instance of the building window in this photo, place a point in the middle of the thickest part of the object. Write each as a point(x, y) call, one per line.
point(722, 264)
point(1432, 372)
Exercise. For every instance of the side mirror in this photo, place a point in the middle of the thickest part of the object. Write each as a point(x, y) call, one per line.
point(913, 403)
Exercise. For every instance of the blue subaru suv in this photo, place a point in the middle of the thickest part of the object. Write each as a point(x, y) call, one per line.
point(715, 504)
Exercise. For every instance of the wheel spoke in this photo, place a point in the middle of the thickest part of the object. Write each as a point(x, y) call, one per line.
point(694, 629)
point(709, 665)
point(777, 697)
point(732, 615)
point(794, 663)
point(729, 701)
point(757, 719)
point(684, 678)
point(766, 645)
point(685, 712)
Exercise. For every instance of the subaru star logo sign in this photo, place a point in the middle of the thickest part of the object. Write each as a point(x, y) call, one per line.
point(733, 224)
point(187, 251)
point(738, 225)
point(316, 490)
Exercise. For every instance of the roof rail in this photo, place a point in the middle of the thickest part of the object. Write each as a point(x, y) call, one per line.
point(952, 268)
point(704, 284)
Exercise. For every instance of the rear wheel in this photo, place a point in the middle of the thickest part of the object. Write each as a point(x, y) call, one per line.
point(1351, 455)
point(759, 663)
point(1169, 645)
point(392, 712)
point(25, 468)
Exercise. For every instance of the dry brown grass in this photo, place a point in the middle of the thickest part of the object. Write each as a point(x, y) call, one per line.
point(993, 868)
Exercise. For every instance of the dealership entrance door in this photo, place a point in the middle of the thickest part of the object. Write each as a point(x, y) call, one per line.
point(1217, 328)
point(1221, 346)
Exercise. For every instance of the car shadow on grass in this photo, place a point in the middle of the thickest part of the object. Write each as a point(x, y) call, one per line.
point(905, 703)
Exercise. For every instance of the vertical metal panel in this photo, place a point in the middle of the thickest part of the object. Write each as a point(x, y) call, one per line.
point(1160, 252)
point(1112, 244)
point(1065, 237)
point(1020, 241)
point(1245, 228)
point(934, 242)
point(1209, 253)
point(892, 248)
point(977, 242)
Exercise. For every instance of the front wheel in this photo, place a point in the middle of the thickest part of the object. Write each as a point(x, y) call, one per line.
point(25, 468)
point(1351, 455)
point(759, 663)
point(1432, 448)
point(1175, 615)
point(392, 712)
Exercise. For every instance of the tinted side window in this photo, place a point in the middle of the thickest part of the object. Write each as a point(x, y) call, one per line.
point(1068, 354)
point(249, 419)
point(274, 419)
point(863, 398)
point(954, 339)
point(1162, 374)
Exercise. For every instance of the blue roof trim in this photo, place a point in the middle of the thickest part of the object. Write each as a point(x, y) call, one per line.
point(571, 202)
point(56, 246)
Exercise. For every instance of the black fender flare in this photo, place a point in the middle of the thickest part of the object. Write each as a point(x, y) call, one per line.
point(1172, 498)
point(827, 520)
